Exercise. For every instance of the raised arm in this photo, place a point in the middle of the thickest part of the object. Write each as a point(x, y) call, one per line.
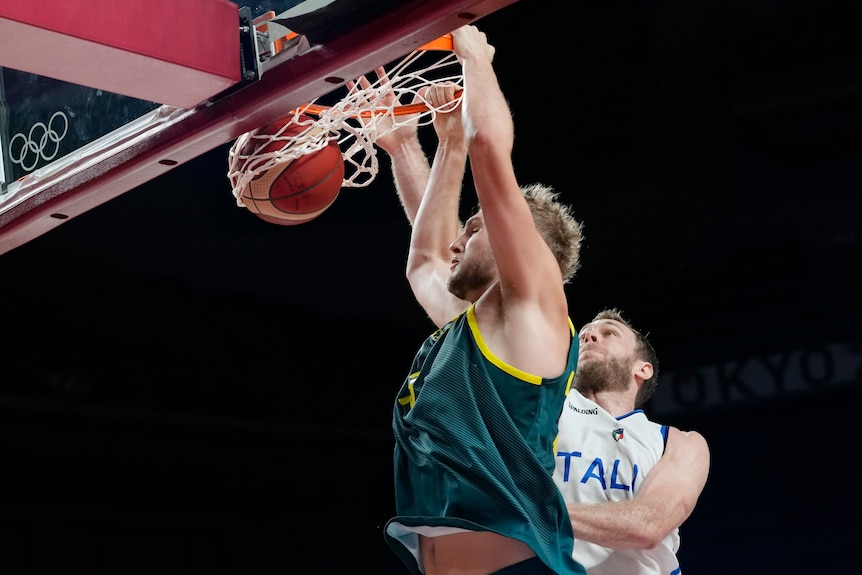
point(409, 164)
point(430, 197)
point(665, 499)
point(532, 302)
point(429, 258)
point(437, 222)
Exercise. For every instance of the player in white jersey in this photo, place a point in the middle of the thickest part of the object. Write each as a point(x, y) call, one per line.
point(629, 483)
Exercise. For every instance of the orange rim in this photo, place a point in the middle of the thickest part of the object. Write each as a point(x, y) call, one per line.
point(442, 44)
point(406, 109)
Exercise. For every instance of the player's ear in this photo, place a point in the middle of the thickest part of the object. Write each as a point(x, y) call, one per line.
point(643, 371)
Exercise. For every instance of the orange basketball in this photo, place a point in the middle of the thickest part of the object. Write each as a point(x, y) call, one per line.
point(295, 191)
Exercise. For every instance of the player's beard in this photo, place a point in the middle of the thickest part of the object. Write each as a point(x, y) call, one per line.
point(612, 374)
point(471, 279)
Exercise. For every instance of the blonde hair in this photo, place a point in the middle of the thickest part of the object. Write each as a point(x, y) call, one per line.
point(558, 226)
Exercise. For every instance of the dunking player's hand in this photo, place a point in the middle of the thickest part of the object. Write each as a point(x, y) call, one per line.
point(469, 40)
point(445, 99)
point(392, 133)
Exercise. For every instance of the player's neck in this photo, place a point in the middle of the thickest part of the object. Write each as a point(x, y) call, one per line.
point(616, 403)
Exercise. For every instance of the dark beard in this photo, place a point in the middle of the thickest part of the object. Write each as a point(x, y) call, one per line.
point(614, 374)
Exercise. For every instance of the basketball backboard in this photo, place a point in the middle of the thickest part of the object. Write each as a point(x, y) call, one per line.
point(119, 94)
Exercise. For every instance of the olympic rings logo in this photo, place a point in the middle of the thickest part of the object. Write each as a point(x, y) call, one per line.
point(42, 143)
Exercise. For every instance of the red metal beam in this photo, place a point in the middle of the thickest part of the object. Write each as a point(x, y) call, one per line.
point(164, 51)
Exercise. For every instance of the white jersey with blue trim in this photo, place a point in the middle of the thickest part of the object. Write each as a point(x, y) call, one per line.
point(603, 458)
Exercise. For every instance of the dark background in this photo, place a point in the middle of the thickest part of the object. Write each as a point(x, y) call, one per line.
point(187, 389)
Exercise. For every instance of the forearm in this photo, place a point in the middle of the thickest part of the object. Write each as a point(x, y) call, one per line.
point(437, 223)
point(487, 118)
point(410, 172)
point(436, 226)
point(619, 525)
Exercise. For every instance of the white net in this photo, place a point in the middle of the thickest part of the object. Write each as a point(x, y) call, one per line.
point(356, 119)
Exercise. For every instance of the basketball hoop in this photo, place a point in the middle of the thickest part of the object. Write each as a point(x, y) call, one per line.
point(357, 116)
